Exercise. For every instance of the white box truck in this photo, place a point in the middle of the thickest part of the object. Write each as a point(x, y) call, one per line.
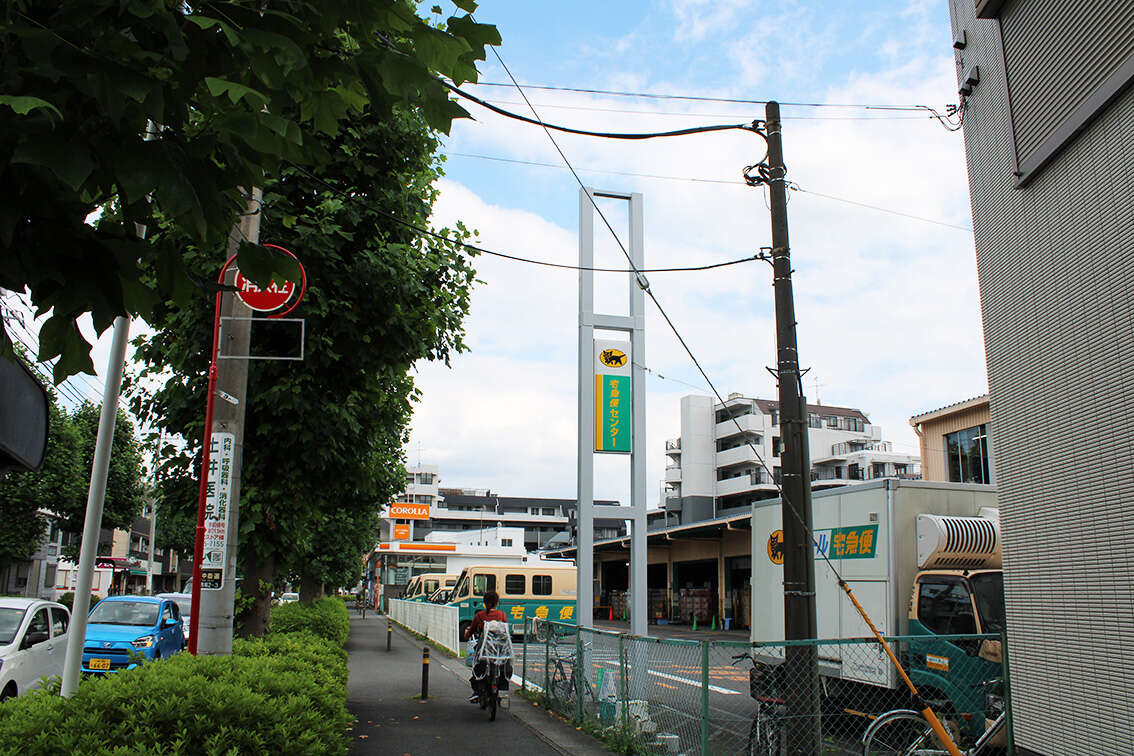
point(923, 558)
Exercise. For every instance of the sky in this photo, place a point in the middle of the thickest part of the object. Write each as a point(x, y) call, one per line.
point(887, 305)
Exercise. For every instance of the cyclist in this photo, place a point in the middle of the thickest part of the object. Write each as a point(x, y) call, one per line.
point(487, 614)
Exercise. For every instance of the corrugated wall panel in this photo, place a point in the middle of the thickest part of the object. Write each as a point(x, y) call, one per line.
point(1057, 54)
point(1056, 268)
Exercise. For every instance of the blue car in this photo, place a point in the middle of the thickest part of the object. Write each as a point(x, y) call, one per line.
point(123, 631)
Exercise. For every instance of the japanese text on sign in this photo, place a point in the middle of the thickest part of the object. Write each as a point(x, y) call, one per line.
point(218, 494)
point(854, 542)
point(613, 406)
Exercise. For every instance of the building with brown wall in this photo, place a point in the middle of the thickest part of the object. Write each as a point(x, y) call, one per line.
point(956, 445)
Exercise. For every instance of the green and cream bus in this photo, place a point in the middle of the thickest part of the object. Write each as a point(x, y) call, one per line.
point(421, 587)
point(529, 591)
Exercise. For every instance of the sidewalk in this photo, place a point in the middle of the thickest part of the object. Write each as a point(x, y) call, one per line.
point(391, 720)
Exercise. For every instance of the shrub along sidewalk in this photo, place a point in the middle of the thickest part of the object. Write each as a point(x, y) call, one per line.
point(285, 693)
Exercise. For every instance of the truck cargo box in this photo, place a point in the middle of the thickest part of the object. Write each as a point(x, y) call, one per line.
point(869, 532)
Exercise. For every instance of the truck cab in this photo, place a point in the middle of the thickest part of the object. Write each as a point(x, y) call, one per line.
point(948, 601)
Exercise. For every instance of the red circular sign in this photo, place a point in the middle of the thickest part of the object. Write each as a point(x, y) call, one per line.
point(263, 300)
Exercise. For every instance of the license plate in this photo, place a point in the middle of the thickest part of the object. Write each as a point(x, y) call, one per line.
point(100, 663)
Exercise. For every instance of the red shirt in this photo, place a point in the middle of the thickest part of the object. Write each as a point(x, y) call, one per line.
point(485, 615)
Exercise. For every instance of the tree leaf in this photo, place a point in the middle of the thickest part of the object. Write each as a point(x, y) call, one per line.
point(207, 23)
point(262, 265)
point(236, 92)
point(60, 336)
point(25, 104)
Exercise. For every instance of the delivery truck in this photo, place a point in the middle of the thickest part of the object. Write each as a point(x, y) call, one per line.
point(923, 558)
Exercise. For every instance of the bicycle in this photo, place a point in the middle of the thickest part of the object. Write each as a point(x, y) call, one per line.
point(563, 683)
point(905, 732)
point(360, 604)
point(766, 735)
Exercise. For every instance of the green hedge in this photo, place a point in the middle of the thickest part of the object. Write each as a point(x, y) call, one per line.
point(327, 618)
point(285, 693)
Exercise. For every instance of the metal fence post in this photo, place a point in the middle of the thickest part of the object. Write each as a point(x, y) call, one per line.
point(705, 698)
point(579, 672)
point(622, 687)
point(1008, 725)
point(524, 664)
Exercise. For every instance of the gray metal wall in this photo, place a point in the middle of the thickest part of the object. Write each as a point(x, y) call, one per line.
point(1056, 267)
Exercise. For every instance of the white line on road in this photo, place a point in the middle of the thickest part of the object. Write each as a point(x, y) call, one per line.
point(687, 681)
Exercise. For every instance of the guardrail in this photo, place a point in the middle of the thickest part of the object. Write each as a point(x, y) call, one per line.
point(437, 622)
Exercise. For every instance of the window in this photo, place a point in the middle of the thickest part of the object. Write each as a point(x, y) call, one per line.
point(541, 585)
point(777, 475)
point(839, 472)
point(832, 421)
point(854, 472)
point(945, 607)
point(966, 454)
point(813, 421)
point(505, 541)
point(549, 511)
point(775, 417)
point(514, 584)
point(425, 478)
point(482, 584)
point(879, 470)
point(59, 621)
point(777, 446)
point(38, 623)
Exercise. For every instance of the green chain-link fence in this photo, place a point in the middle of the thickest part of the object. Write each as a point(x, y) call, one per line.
point(668, 696)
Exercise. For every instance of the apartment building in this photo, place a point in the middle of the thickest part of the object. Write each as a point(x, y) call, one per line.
point(728, 455)
point(956, 442)
point(455, 510)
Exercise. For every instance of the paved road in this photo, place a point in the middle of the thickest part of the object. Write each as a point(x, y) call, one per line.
point(391, 720)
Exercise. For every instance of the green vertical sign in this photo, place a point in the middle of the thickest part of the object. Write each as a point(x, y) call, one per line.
point(614, 413)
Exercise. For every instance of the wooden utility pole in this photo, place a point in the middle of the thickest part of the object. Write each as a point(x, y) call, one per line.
point(801, 678)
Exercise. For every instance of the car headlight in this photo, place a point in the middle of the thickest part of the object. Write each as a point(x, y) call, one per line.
point(144, 642)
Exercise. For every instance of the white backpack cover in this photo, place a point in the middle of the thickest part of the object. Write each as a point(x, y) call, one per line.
point(495, 642)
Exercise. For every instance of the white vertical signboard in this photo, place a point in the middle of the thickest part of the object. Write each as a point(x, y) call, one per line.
point(217, 500)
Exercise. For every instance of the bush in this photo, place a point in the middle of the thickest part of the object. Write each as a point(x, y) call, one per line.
point(327, 618)
point(281, 694)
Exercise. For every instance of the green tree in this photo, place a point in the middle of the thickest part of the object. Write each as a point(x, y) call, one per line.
point(239, 88)
point(30, 501)
point(323, 438)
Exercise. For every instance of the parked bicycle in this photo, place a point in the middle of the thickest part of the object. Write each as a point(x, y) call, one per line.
point(766, 735)
point(905, 732)
point(562, 686)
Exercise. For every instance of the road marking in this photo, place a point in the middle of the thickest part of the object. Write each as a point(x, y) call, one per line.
point(686, 681)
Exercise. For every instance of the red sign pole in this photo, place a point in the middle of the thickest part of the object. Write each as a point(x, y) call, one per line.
point(202, 494)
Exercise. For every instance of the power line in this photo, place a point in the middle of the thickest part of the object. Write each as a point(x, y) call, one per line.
point(531, 261)
point(727, 182)
point(672, 113)
point(696, 98)
point(602, 134)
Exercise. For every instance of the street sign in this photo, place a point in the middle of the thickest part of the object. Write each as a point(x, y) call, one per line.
point(263, 300)
point(408, 510)
point(217, 505)
point(401, 532)
point(613, 409)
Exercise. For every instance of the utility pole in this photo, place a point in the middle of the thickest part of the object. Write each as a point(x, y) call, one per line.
point(212, 633)
point(801, 679)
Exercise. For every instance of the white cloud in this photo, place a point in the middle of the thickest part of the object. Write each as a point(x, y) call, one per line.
point(888, 309)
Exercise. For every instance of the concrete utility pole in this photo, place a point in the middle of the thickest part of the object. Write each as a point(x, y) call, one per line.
point(801, 681)
point(96, 496)
point(213, 634)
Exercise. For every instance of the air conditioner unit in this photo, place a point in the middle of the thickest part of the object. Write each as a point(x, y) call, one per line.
point(959, 543)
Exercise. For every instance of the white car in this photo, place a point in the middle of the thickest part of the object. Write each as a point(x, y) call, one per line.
point(33, 643)
point(185, 606)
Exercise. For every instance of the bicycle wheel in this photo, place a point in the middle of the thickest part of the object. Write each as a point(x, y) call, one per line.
point(764, 734)
point(901, 733)
point(561, 688)
point(493, 702)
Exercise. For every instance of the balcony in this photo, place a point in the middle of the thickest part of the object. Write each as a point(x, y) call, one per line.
point(673, 447)
point(739, 455)
point(673, 474)
point(742, 484)
point(748, 424)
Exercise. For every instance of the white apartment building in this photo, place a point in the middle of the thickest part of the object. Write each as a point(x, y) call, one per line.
point(712, 466)
point(460, 510)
